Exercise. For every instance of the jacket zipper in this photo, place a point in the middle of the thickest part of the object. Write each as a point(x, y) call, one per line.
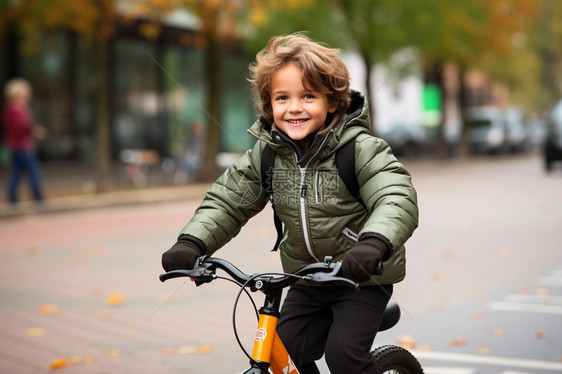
point(350, 234)
point(303, 213)
point(303, 203)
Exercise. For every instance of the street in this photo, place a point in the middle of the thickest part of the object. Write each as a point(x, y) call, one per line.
point(79, 290)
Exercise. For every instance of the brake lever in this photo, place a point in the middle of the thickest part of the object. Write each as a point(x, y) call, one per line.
point(330, 279)
point(200, 274)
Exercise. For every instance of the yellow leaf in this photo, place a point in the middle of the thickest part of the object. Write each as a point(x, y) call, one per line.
point(407, 341)
point(477, 314)
point(36, 331)
point(112, 352)
point(188, 349)
point(57, 364)
point(498, 331)
point(483, 350)
point(204, 349)
point(166, 351)
point(458, 343)
point(438, 275)
point(48, 309)
point(540, 335)
point(115, 298)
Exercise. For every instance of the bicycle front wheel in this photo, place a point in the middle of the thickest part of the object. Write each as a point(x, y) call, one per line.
point(391, 359)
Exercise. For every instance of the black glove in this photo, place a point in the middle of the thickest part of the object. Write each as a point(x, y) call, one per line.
point(183, 254)
point(362, 261)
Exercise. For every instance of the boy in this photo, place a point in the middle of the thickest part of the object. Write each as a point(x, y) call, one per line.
point(307, 113)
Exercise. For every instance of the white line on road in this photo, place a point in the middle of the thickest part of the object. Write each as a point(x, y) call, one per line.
point(551, 281)
point(513, 372)
point(488, 360)
point(539, 299)
point(446, 370)
point(522, 307)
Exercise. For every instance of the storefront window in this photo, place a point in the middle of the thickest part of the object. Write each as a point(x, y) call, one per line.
point(238, 112)
point(137, 104)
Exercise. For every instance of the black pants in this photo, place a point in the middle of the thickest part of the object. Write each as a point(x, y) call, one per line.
point(338, 322)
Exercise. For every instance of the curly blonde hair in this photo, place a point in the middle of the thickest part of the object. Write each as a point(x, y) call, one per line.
point(322, 69)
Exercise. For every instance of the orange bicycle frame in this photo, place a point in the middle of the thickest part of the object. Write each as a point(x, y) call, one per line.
point(269, 349)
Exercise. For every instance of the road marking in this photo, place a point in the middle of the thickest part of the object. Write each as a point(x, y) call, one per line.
point(513, 372)
point(539, 299)
point(489, 360)
point(522, 307)
point(551, 281)
point(446, 370)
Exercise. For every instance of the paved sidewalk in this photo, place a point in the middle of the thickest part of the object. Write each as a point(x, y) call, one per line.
point(68, 187)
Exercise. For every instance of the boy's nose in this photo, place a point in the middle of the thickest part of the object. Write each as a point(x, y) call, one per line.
point(295, 106)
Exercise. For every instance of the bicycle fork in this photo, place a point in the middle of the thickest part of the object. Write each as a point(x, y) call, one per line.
point(269, 351)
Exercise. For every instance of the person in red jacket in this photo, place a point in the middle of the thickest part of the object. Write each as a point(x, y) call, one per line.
point(19, 131)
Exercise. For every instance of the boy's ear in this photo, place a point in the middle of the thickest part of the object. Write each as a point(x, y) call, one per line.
point(333, 106)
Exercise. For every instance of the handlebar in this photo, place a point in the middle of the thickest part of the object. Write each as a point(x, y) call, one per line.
point(320, 273)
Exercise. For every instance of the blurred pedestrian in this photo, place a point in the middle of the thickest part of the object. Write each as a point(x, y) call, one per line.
point(19, 133)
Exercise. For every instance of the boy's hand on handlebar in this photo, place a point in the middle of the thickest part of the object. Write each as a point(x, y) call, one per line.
point(182, 255)
point(362, 261)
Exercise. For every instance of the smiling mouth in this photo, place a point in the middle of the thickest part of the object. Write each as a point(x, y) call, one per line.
point(296, 121)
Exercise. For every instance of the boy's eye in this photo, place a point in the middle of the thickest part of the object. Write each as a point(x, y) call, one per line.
point(281, 98)
point(308, 96)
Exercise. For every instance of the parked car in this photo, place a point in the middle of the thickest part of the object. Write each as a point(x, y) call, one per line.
point(553, 138)
point(410, 141)
point(487, 130)
point(517, 131)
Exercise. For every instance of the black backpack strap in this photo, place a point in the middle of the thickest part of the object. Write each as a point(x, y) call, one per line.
point(345, 163)
point(267, 165)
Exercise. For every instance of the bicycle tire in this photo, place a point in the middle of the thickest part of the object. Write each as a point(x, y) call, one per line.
point(391, 359)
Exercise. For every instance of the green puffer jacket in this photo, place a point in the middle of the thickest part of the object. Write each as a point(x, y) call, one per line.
point(321, 218)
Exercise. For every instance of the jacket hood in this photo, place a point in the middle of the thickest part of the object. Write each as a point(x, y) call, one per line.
point(342, 129)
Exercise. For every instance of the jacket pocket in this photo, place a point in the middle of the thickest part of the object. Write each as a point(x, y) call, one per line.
point(350, 234)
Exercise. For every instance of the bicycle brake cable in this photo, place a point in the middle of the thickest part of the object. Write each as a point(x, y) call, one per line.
point(243, 289)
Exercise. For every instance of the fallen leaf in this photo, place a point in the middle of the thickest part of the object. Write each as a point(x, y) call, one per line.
point(540, 334)
point(542, 292)
point(31, 250)
point(48, 309)
point(115, 298)
point(407, 341)
point(438, 275)
point(498, 331)
point(506, 252)
point(457, 343)
point(186, 350)
point(522, 290)
point(483, 350)
point(111, 352)
point(204, 349)
point(477, 314)
point(36, 331)
point(57, 364)
point(448, 254)
point(166, 351)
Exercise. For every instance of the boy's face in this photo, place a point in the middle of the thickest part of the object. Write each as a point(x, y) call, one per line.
point(297, 111)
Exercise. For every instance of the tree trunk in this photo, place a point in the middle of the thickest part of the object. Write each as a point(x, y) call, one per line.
point(102, 120)
point(370, 95)
point(464, 144)
point(214, 100)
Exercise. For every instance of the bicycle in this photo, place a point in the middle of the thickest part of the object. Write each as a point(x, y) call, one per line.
point(269, 353)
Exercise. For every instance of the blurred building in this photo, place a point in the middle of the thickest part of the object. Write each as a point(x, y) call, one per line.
point(157, 91)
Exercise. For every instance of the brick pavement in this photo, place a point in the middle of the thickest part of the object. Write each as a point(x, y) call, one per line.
point(57, 272)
